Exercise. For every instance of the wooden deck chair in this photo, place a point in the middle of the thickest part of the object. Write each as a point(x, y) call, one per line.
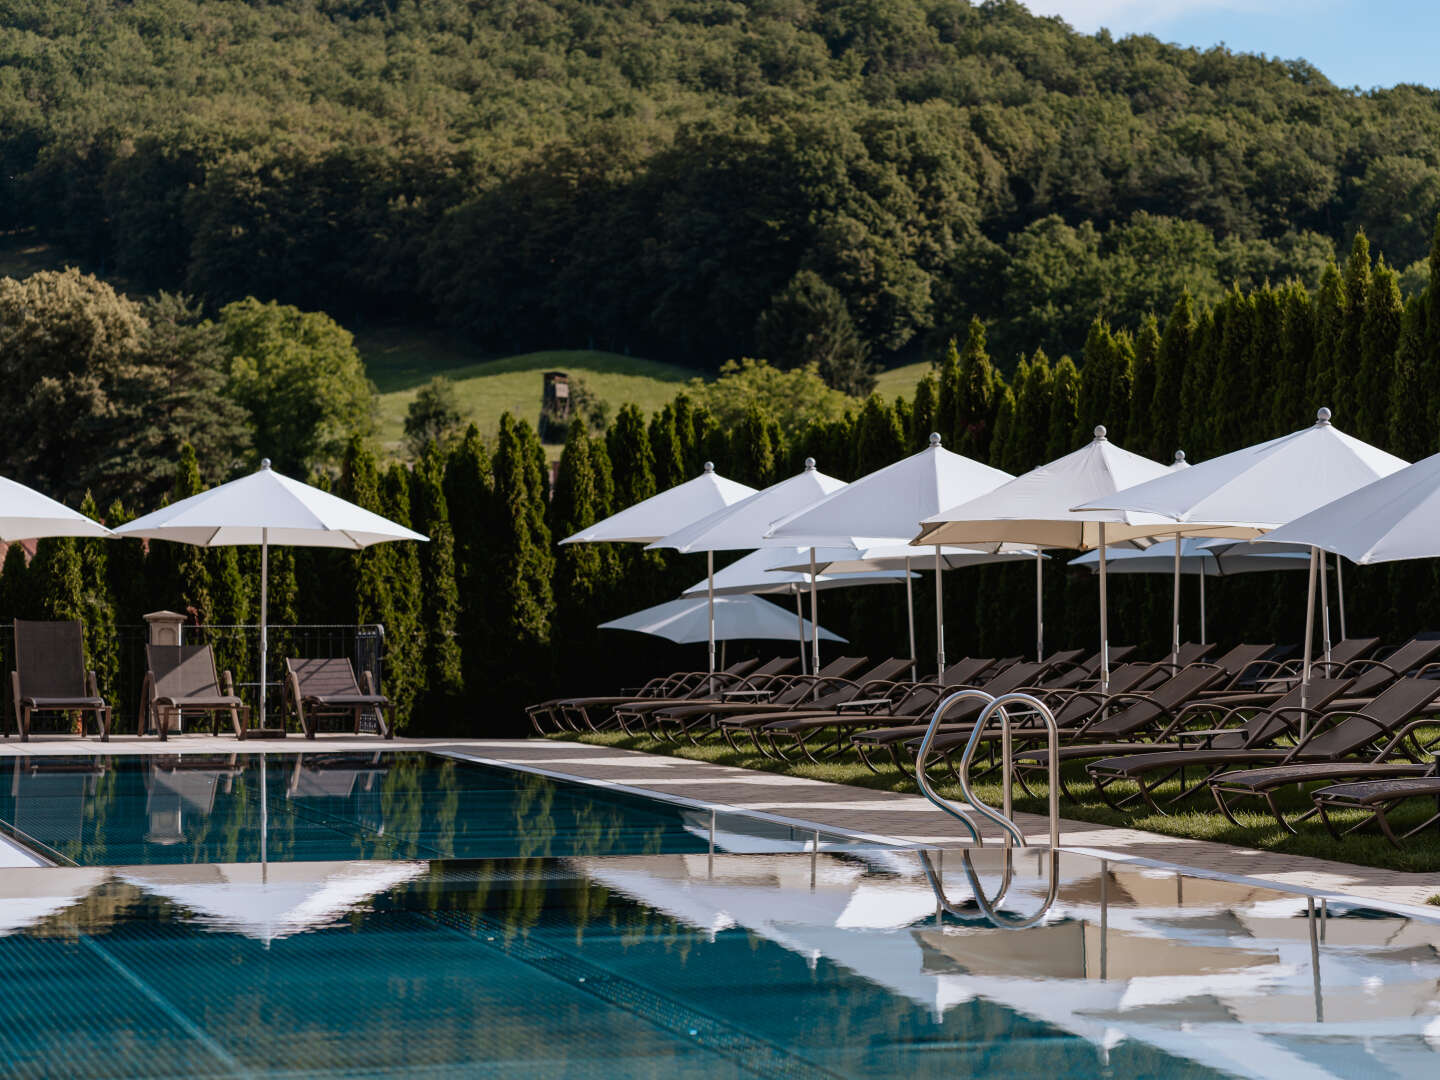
point(320, 689)
point(181, 679)
point(50, 676)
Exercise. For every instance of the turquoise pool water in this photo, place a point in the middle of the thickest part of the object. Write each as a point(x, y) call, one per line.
point(679, 965)
point(131, 810)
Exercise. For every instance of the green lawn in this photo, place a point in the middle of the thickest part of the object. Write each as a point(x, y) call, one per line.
point(1197, 819)
point(900, 381)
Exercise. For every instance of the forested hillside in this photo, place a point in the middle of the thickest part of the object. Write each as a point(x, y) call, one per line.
point(691, 179)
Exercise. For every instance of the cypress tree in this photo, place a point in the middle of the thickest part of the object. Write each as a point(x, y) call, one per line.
point(1140, 430)
point(469, 496)
point(1432, 311)
point(1096, 374)
point(585, 574)
point(947, 378)
point(1004, 428)
point(1321, 383)
point(1197, 384)
point(1379, 341)
point(1350, 352)
point(524, 567)
point(1230, 402)
point(1064, 409)
point(1291, 404)
point(923, 413)
point(977, 396)
point(406, 635)
point(57, 579)
point(1033, 390)
point(128, 574)
point(1409, 427)
point(1175, 345)
point(185, 567)
point(904, 413)
point(632, 462)
point(754, 450)
point(1122, 381)
point(97, 604)
point(439, 595)
point(360, 484)
point(1262, 357)
point(686, 416)
point(879, 436)
point(666, 449)
point(17, 599)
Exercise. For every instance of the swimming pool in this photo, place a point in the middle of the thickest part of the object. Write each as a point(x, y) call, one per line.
point(124, 810)
point(687, 963)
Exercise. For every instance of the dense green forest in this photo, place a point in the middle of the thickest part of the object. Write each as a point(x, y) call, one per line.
point(691, 179)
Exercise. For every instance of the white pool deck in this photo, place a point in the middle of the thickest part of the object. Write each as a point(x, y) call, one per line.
point(900, 818)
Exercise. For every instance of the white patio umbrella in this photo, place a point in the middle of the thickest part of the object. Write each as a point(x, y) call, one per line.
point(1198, 557)
point(266, 508)
point(1262, 487)
point(1035, 509)
point(754, 575)
point(26, 514)
point(686, 621)
point(741, 525)
point(884, 506)
point(847, 562)
point(654, 518)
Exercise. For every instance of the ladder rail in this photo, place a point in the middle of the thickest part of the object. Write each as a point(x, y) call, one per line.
point(921, 756)
point(1003, 819)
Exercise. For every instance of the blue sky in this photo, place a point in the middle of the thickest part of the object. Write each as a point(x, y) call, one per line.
point(1354, 43)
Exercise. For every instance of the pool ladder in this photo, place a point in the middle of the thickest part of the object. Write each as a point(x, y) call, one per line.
point(994, 706)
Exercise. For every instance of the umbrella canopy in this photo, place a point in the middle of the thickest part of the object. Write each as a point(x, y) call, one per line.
point(266, 508)
point(885, 505)
point(26, 514)
point(1199, 556)
point(756, 575)
point(661, 514)
point(1035, 509)
point(1261, 487)
point(1395, 517)
point(834, 560)
point(736, 618)
point(742, 524)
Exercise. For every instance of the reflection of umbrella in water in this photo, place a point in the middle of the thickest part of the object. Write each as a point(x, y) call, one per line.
point(1074, 950)
point(272, 902)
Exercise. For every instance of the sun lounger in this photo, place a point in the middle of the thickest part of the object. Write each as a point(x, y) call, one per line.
point(575, 714)
point(50, 676)
point(1328, 751)
point(784, 693)
point(1377, 798)
point(676, 685)
point(322, 689)
point(181, 679)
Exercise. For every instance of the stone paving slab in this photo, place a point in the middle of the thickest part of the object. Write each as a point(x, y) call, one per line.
point(902, 817)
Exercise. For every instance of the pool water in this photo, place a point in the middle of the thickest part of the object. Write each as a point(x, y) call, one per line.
point(651, 966)
point(133, 810)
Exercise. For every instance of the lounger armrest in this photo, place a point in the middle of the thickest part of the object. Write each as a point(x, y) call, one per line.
point(1427, 671)
point(1363, 666)
point(1184, 713)
point(1330, 719)
point(92, 684)
point(1388, 751)
point(860, 704)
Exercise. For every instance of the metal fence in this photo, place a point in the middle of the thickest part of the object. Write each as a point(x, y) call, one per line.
point(237, 649)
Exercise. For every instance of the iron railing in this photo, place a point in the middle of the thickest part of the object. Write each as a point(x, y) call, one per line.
point(237, 648)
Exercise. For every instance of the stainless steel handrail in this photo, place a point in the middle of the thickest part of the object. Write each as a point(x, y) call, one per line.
point(1003, 818)
point(924, 752)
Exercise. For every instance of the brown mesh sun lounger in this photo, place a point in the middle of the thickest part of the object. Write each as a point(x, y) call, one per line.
point(575, 714)
point(782, 693)
point(181, 679)
point(320, 689)
point(1328, 750)
point(50, 676)
point(1377, 798)
point(879, 680)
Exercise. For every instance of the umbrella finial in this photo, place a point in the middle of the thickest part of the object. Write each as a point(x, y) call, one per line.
point(1099, 431)
point(264, 463)
point(1322, 416)
point(934, 438)
point(709, 466)
point(809, 464)
point(1179, 457)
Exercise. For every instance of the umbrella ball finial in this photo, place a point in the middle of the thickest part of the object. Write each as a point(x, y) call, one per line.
point(1099, 431)
point(265, 463)
point(709, 466)
point(1322, 416)
point(809, 464)
point(934, 438)
point(1179, 457)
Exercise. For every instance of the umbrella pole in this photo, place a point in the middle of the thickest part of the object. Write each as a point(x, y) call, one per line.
point(800, 627)
point(939, 621)
point(1340, 596)
point(1309, 639)
point(1202, 609)
point(710, 604)
point(910, 617)
point(814, 620)
point(264, 621)
point(1104, 621)
point(1325, 606)
point(1039, 606)
point(1175, 628)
